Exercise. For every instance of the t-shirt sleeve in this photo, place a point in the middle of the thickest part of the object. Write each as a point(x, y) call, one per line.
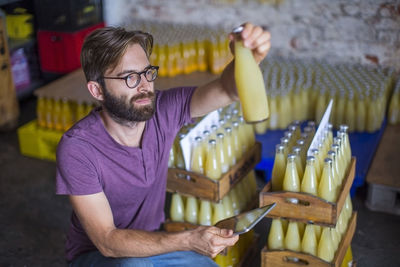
point(174, 106)
point(76, 172)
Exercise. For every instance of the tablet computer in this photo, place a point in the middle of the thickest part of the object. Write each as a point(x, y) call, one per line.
point(245, 221)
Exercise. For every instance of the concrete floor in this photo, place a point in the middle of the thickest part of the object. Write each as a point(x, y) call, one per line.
point(33, 220)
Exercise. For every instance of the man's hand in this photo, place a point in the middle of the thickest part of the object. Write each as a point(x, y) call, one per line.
point(254, 38)
point(210, 240)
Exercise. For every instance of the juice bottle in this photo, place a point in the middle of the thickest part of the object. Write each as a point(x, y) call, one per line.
point(361, 114)
point(341, 169)
point(219, 212)
point(394, 108)
point(80, 110)
point(205, 212)
point(49, 113)
point(317, 165)
point(67, 116)
point(180, 162)
point(191, 210)
point(273, 116)
point(348, 258)
point(326, 187)
point(290, 137)
point(278, 170)
point(212, 167)
point(309, 240)
point(303, 150)
point(197, 156)
point(228, 146)
point(291, 180)
point(325, 249)
point(335, 174)
point(340, 108)
point(235, 201)
point(347, 148)
point(309, 183)
point(223, 161)
point(41, 111)
point(350, 112)
point(276, 237)
point(299, 164)
point(335, 238)
point(252, 181)
point(242, 135)
point(236, 140)
point(249, 83)
point(177, 209)
point(171, 159)
point(228, 207)
point(292, 237)
point(301, 227)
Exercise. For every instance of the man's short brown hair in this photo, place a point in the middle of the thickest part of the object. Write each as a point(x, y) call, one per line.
point(104, 48)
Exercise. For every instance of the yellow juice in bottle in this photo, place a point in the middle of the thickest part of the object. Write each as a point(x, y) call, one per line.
point(212, 167)
point(191, 210)
point(205, 212)
point(309, 183)
point(276, 237)
point(80, 110)
point(317, 165)
point(318, 230)
point(228, 146)
point(291, 181)
point(57, 122)
point(49, 113)
point(197, 156)
point(350, 113)
point(222, 158)
point(179, 163)
point(235, 201)
point(335, 238)
point(177, 209)
point(218, 212)
point(292, 238)
point(335, 174)
point(361, 114)
point(348, 258)
point(41, 111)
point(250, 85)
point(67, 115)
point(326, 187)
point(309, 240)
point(299, 164)
point(242, 135)
point(236, 140)
point(273, 113)
point(162, 60)
point(325, 247)
point(227, 203)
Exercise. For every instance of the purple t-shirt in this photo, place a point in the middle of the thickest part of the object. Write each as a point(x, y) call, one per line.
point(133, 179)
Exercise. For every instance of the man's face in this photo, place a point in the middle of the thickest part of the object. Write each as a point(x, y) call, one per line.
point(126, 104)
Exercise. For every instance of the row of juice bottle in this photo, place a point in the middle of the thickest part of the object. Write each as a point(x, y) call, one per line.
point(301, 90)
point(186, 48)
point(321, 174)
point(394, 106)
point(320, 241)
point(60, 114)
point(217, 149)
point(203, 212)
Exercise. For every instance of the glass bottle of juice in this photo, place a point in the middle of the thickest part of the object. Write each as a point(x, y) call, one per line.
point(303, 150)
point(350, 112)
point(205, 212)
point(309, 240)
point(57, 115)
point(317, 165)
point(221, 153)
point(218, 212)
point(335, 238)
point(326, 187)
point(394, 107)
point(347, 148)
point(301, 227)
point(340, 107)
point(361, 114)
point(228, 146)
point(242, 135)
point(309, 183)
point(348, 258)
point(177, 209)
point(335, 171)
point(66, 111)
point(348, 206)
point(299, 165)
point(180, 163)
point(49, 113)
point(273, 117)
point(235, 201)
point(191, 210)
point(212, 167)
point(252, 181)
point(276, 237)
point(318, 231)
point(249, 83)
point(228, 207)
point(278, 170)
point(325, 247)
point(197, 156)
point(285, 143)
point(292, 237)
point(236, 140)
point(291, 181)
point(289, 135)
point(41, 111)
point(171, 159)
point(335, 147)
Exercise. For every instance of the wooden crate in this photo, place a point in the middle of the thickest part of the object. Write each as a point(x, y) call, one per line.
point(281, 258)
point(305, 207)
point(195, 184)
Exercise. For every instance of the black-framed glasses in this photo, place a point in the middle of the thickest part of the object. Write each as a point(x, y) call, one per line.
point(133, 79)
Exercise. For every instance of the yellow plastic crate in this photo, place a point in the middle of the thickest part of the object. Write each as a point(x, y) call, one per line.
point(19, 25)
point(38, 142)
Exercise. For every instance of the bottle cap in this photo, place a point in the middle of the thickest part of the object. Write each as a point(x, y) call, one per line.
point(291, 156)
point(212, 142)
point(310, 158)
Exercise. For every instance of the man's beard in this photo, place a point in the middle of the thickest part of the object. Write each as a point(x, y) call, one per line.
point(124, 112)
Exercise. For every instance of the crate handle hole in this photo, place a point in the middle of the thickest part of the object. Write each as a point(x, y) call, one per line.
point(186, 177)
point(297, 201)
point(295, 260)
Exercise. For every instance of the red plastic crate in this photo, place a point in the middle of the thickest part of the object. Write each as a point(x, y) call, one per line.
point(59, 52)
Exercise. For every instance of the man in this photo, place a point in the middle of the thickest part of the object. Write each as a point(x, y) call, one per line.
point(113, 163)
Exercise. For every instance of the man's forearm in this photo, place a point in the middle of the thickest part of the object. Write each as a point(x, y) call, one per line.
point(137, 243)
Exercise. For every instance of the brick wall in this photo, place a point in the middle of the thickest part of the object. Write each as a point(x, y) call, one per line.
point(355, 31)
